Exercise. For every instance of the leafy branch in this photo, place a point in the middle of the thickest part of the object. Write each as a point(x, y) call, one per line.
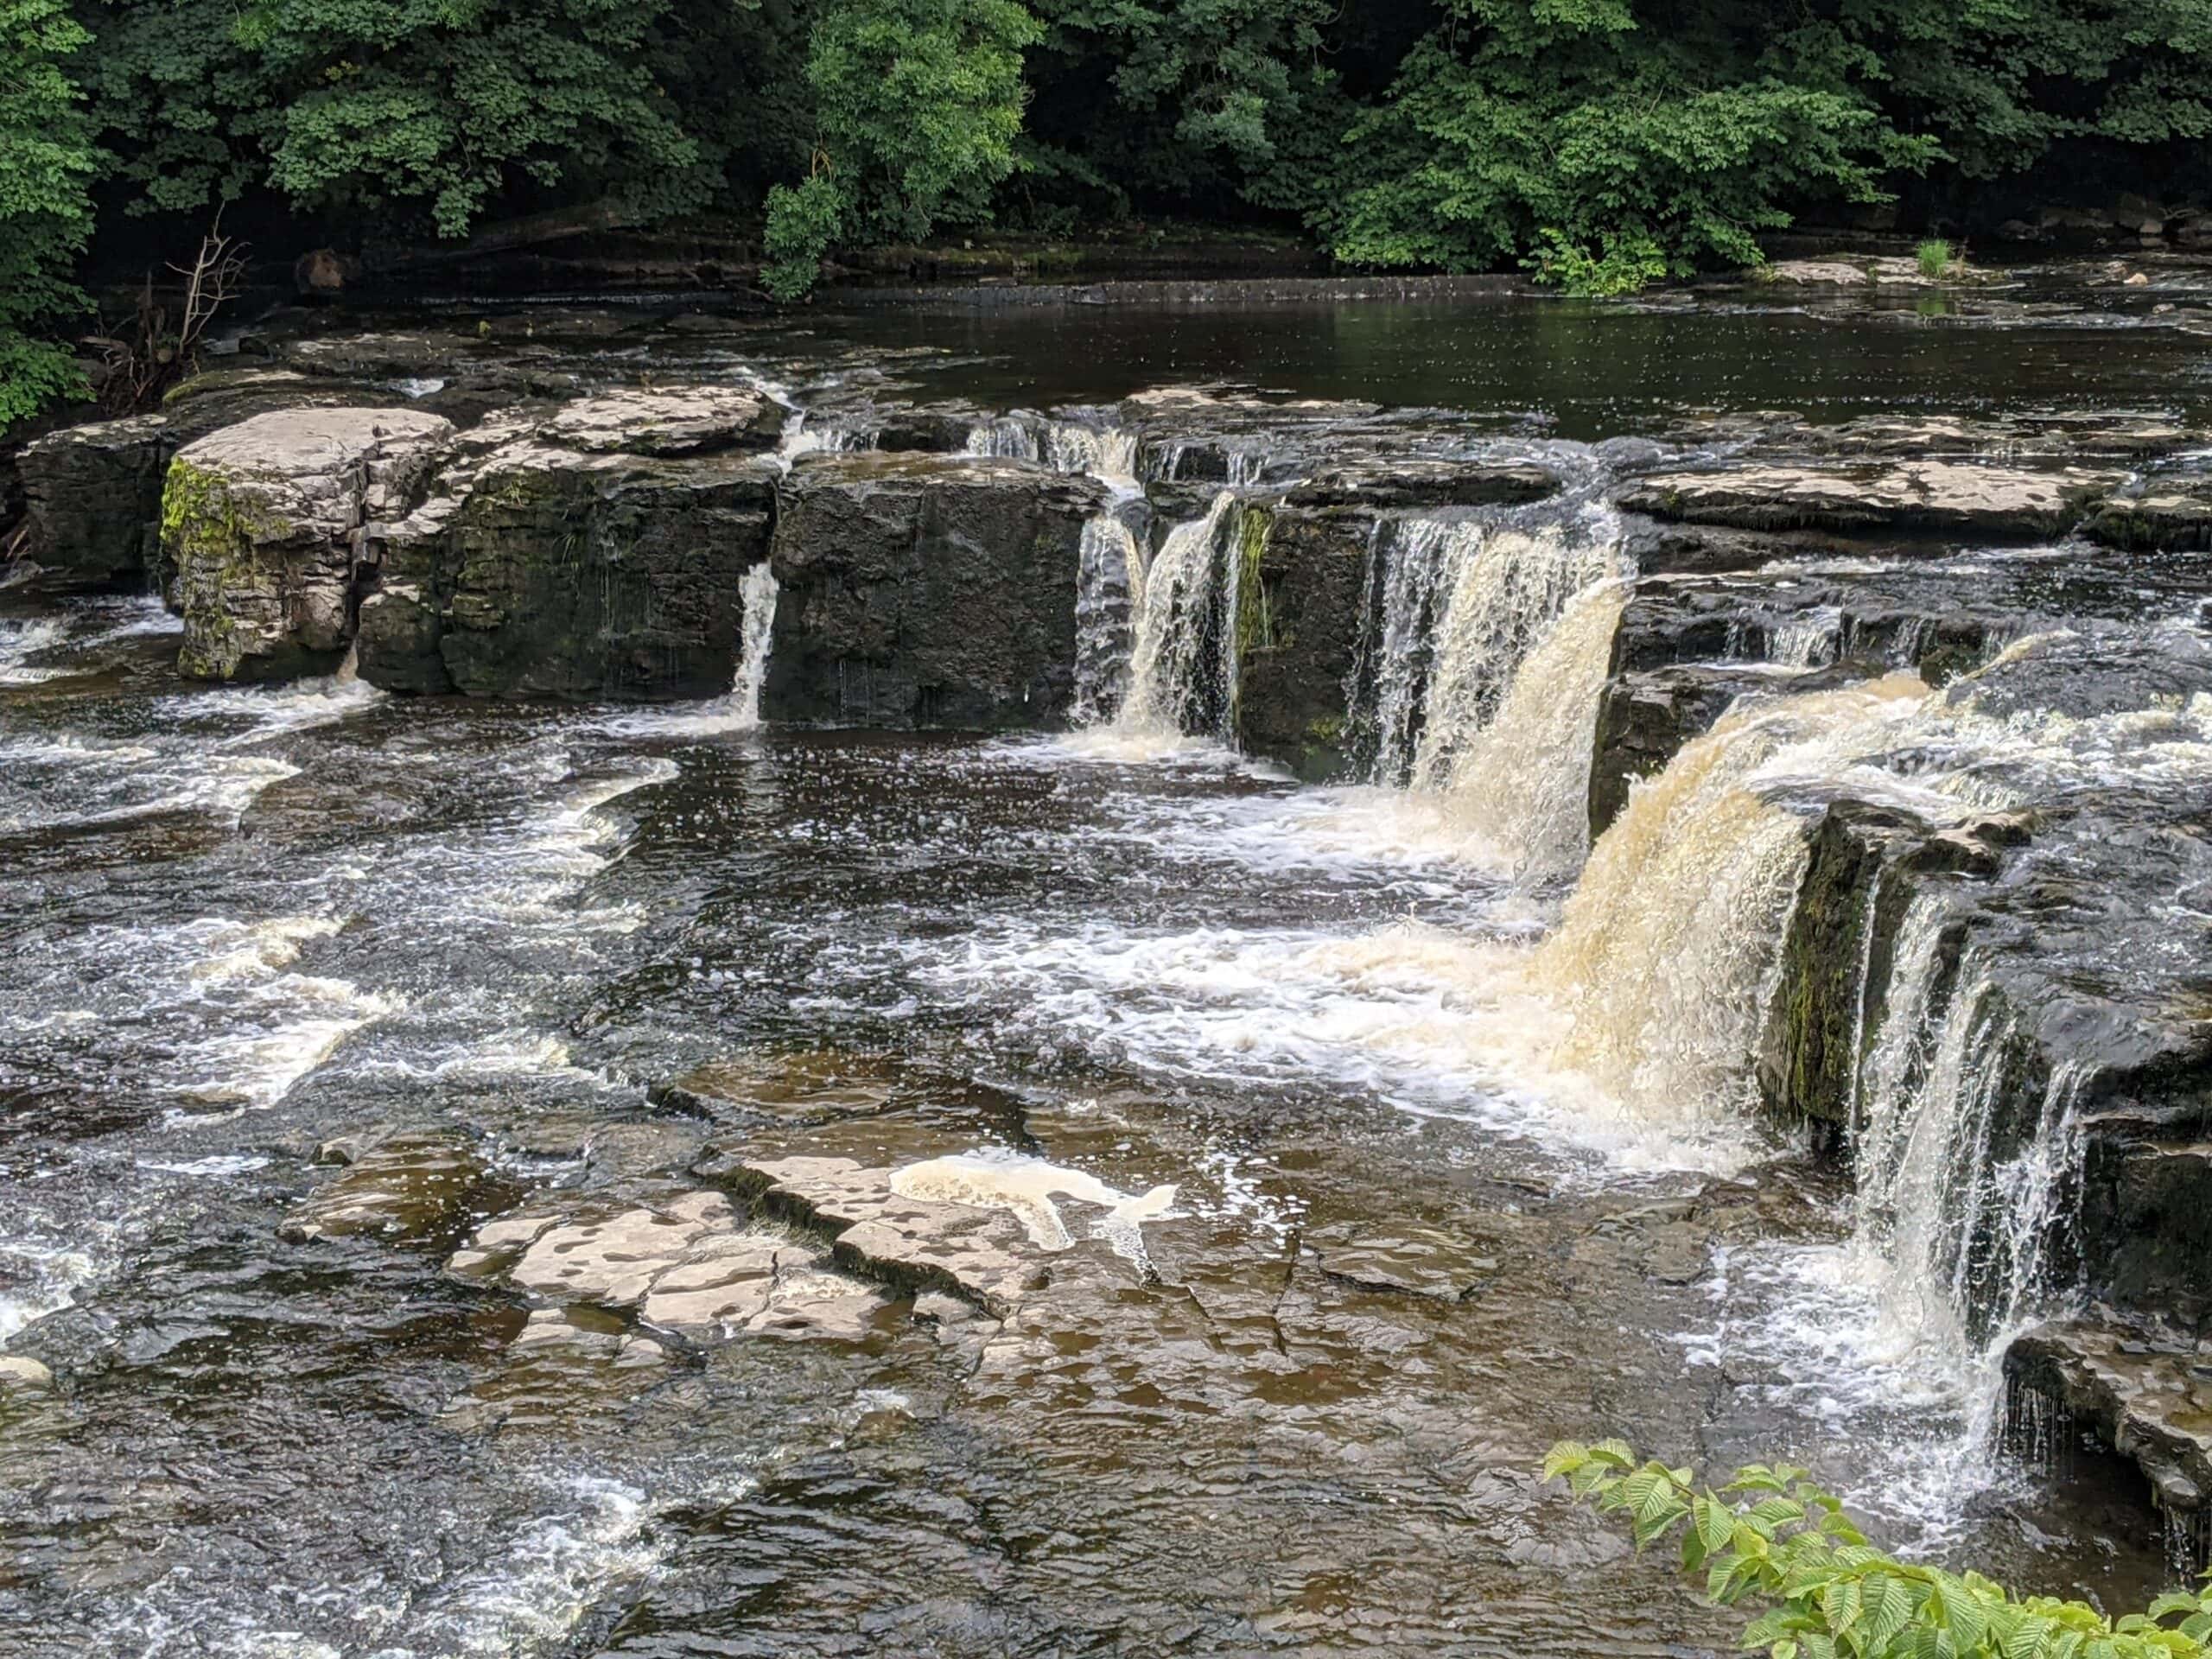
point(1772, 1538)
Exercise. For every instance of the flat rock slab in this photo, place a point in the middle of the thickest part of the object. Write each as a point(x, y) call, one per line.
point(1406, 1259)
point(410, 1186)
point(2150, 1401)
point(984, 1254)
point(2167, 514)
point(1934, 496)
point(666, 421)
point(790, 1087)
point(688, 1263)
point(1423, 481)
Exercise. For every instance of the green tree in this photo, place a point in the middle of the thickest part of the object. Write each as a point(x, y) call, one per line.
point(408, 113)
point(917, 106)
point(46, 163)
point(1517, 116)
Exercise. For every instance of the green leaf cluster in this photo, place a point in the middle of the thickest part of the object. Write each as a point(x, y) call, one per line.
point(46, 165)
point(1772, 1539)
point(918, 103)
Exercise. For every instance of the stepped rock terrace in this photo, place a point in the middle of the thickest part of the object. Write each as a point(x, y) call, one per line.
point(1055, 980)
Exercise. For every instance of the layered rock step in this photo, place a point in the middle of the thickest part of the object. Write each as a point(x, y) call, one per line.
point(260, 522)
point(926, 590)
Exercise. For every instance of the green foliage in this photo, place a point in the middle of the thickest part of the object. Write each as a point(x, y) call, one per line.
point(1625, 264)
point(1934, 259)
point(1771, 1538)
point(803, 224)
point(46, 163)
point(410, 114)
point(1521, 114)
point(918, 103)
point(1600, 143)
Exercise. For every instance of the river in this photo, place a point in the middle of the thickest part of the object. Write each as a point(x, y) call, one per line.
point(1295, 1406)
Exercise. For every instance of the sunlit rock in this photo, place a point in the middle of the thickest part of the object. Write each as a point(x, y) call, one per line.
point(1934, 495)
point(260, 520)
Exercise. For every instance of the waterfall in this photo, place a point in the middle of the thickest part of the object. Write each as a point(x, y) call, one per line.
point(1665, 953)
point(1109, 579)
point(1183, 662)
point(1006, 438)
point(1107, 454)
point(1521, 787)
point(1812, 639)
point(1955, 1208)
point(756, 628)
point(1455, 606)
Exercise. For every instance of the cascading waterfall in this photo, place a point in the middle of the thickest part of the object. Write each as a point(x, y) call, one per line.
point(1812, 638)
point(1111, 570)
point(1493, 591)
point(1521, 788)
point(1955, 1208)
point(1183, 661)
point(1502, 591)
point(1006, 438)
point(757, 593)
point(737, 710)
point(1109, 584)
point(1665, 952)
point(1484, 649)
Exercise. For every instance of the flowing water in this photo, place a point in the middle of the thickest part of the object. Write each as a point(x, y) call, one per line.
point(1414, 1129)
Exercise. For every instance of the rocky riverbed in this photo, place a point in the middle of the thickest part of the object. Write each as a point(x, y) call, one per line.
point(1030, 982)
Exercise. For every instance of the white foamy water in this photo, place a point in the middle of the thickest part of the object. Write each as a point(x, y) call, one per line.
point(1026, 1186)
point(22, 639)
point(551, 1573)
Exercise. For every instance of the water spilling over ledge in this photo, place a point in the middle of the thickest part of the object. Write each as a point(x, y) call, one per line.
point(634, 1125)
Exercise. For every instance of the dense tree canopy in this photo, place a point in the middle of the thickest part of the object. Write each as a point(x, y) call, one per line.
point(1652, 135)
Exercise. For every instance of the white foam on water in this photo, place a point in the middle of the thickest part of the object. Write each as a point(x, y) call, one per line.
point(22, 639)
point(220, 1164)
point(38, 1276)
point(554, 1570)
point(991, 1178)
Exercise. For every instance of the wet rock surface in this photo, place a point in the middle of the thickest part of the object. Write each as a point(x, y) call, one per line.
point(411, 1187)
point(922, 590)
point(259, 522)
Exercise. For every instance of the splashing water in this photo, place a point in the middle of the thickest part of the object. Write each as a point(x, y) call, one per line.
point(1183, 664)
point(1110, 579)
point(737, 710)
point(1663, 952)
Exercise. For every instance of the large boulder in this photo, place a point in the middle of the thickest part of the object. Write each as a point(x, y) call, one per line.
point(93, 493)
point(259, 522)
point(927, 590)
point(1299, 634)
point(594, 549)
point(616, 577)
point(93, 497)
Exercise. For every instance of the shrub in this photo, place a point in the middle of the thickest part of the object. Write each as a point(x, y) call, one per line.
point(1934, 259)
point(1626, 262)
point(1771, 1537)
